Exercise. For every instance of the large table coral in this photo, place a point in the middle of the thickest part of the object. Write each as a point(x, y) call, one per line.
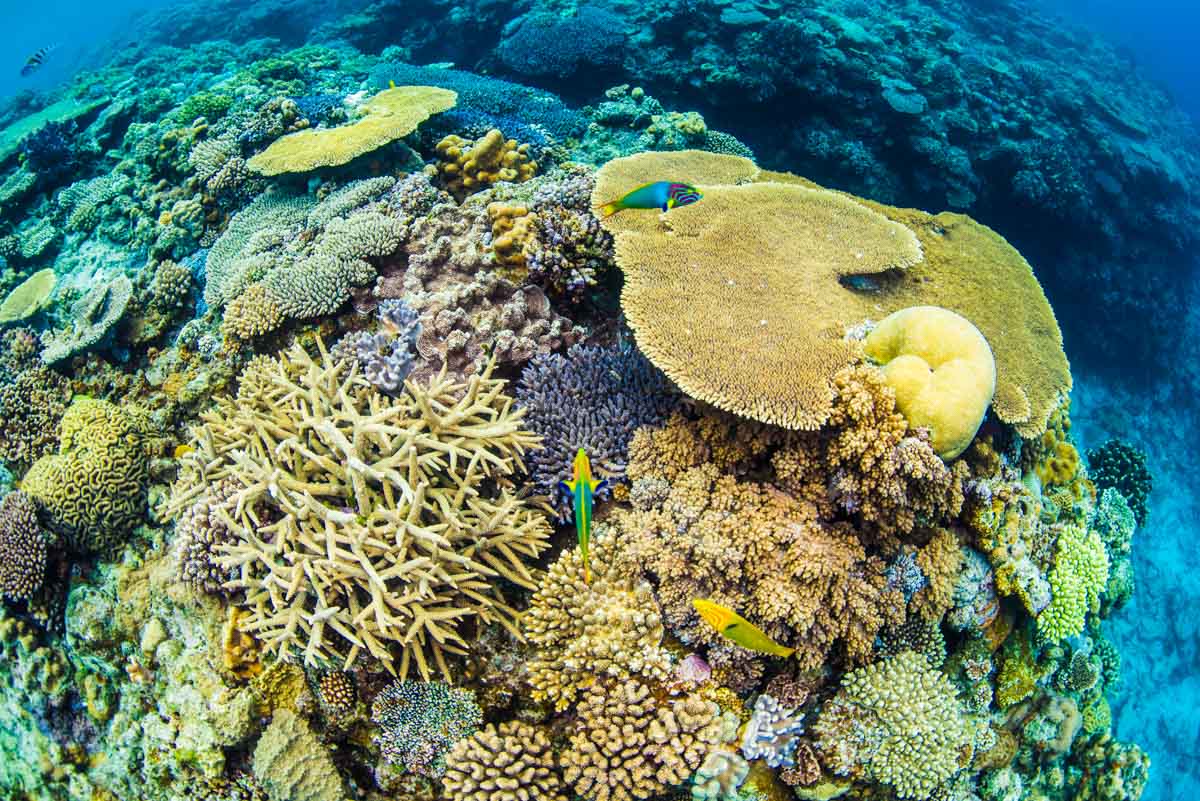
point(366, 525)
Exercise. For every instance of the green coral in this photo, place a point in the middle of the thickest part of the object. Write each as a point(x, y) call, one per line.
point(1079, 575)
point(292, 764)
point(209, 105)
point(93, 490)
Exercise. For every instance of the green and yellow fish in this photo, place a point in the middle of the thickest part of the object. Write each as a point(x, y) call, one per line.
point(738, 630)
point(583, 488)
point(663, 195)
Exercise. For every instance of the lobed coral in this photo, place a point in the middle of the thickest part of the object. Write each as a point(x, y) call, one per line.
point(468, 166)
point(510, 762)
point(437, 535)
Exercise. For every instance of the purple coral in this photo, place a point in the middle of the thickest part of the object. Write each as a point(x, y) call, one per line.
point(593, 398)
point(905, 575)
point(567, 251)
point(385, 357)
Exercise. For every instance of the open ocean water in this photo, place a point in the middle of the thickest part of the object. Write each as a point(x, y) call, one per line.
point(322, 323)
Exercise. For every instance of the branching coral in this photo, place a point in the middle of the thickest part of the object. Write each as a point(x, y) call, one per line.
point(22, 547)
point(581, 632)
point(895, 722)
point(511, 762)
point(386, 356)
point(366, 523)
point(419, 722)
point(592, 398)
point(31, 407)
point(629, 746)
point(1079, 575)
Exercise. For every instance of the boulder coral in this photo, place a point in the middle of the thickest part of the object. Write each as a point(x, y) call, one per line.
point(364, 524)
point(941, 370)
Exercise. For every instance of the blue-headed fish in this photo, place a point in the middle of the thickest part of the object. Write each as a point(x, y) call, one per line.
point(583, 488)
point(37, 59)
point(663, 195)
point(738, 630)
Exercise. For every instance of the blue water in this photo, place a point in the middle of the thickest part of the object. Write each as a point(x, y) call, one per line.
point(1158, 634)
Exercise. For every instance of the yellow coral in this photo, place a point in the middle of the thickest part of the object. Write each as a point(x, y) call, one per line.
point(941, 369)
point(1078, 577)
point(744, 298)
point(29, 297)
point(510, 232)
point(387, 116)
point(469, 166)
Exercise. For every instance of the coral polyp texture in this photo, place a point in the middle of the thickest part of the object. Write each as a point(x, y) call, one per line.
point(824, 263)
point(513, 761)
point(365, 525)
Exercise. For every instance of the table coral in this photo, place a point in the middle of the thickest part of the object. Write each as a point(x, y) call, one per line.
point(30, 296)
point(93, 490)
point(896, 722)
point(23, 545)
point(837, 261)
point(628, 745)
point(582, 633)
point(437, 534)
point(510, 762)
point(420, 721)
point(386, 117)
point(92, 318)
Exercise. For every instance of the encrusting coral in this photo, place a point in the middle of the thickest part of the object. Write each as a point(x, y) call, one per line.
point(364, 522)
point(827, 263)
point(941, 370)
point(292, 764)
point(581, 632)
point(896, 722)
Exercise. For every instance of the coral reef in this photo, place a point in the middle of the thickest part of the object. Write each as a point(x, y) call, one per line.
point(512, 761)
point(23, 544)
point(1121, 466)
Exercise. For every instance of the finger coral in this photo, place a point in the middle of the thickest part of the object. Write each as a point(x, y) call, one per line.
point(93, 490)
point(366, 525)
point(22, 547)
point(386, 117)
point(581, 632)
point(628, 745)
point(896, 722)
point(1078, 577)
point(823, 263)
point(941, 369)
point(510, 762)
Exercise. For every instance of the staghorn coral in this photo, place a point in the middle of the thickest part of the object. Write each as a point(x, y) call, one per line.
point(291, 763)
point(419, 722)
point(93, 490)
point(92, 318)
point(629, 746)
point(593, 398)
point(468, 166)
point(809, 584)
point(510, 762)
point(83, 201)
point(437, 534)
point(772, 732)
point(582, 633)
point(1079, 575)
point(28, 297)
point(386, 117)
point(31, 406)
point(22, 547)
point(895, 722)
point(834, 262)
point(941, 370)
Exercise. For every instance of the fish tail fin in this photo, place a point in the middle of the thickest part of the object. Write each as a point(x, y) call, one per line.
point(609, 209)
point(789, 653)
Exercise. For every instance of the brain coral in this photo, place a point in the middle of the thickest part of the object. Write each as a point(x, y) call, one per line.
point(941, 369)
point(512, 762)
point(386, 117)
point(366, 524)
point(896, 722)
point(92, 491)
point(745, 298)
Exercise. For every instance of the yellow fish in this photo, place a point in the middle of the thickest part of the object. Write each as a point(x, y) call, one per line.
point(183, 450)
point(738, 630)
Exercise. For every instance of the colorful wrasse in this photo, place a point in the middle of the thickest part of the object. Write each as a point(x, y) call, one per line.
point(583, 488)
point(738, 630)
point(664, 195)
point(37, 59)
